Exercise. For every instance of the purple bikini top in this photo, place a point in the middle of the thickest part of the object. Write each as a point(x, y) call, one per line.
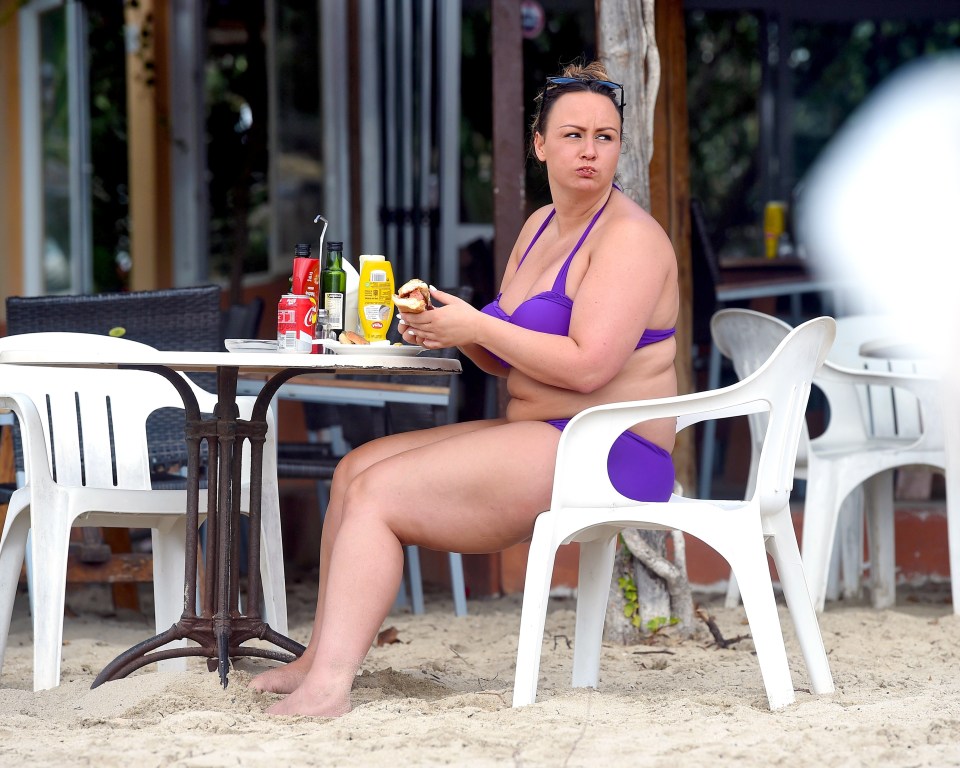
point(549, 311)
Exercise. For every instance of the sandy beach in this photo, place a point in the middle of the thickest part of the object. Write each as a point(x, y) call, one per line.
point(441, 694)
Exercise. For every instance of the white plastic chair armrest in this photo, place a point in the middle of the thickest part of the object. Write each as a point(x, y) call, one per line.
point(581, 470)
point(838, 384)
point(32, 434)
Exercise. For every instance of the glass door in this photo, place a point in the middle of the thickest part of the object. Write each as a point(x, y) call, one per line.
point(54, 125)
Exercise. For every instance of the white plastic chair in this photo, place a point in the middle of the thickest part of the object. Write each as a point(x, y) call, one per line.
point(86, 464)
point(885, 414)
point(747, 338)
point(586, 508)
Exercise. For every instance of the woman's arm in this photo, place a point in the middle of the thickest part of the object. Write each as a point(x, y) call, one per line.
point(475, 352)
point(629, 286)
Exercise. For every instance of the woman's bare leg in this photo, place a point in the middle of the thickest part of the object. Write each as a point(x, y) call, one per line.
point(286, 678)
point(466, 493)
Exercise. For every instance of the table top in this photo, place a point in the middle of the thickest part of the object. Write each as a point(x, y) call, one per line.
point(895, 348)
point(756, 262)
point(264, 362)
point(749, 278)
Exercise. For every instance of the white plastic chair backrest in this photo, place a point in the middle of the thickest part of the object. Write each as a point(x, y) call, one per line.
point(788, 376)
point(781, 386)
point(93, 420)
point(748, 338)
point(93, 342)
point(885, 411)
point(158, 394)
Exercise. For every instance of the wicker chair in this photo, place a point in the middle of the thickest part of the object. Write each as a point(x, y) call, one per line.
point(241, 321)
point(177, 318)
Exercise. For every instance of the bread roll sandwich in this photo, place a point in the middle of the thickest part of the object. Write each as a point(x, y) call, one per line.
point(413, 296)
point(349, 337)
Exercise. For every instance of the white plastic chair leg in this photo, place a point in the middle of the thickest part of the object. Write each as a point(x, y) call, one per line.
point(750, 564)
point(411, 588)
point(819, 530)
point(786, 555)
point(457, 584)
point(849, 544)
point(272, 574)
point(169, 556)
point(593, 592)
point(833, 574)
point(846, 560)
point(402, 600)
point(878, 496)
point(416, 579)
point(953, 526)
point(536, 595)
point(50, 545)
point(12, 549)
point(732, 598)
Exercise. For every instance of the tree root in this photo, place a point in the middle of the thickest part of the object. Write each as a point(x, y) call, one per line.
point(718, 639)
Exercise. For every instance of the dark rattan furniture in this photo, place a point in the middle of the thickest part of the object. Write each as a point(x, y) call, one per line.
point(176, 318)
point(186, 319)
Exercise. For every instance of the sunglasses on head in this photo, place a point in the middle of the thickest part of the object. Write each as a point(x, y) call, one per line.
point(605, 83)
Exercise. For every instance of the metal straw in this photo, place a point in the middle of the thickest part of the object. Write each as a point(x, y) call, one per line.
point(323, 231)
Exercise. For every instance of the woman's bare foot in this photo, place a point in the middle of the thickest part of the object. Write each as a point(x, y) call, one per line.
point(283, 679)
point(301, 703)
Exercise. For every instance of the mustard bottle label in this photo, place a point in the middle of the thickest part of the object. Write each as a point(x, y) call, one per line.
point(375, 302)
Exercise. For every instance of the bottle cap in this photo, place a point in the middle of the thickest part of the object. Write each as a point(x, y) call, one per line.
point(334, 246)
point(302, 249)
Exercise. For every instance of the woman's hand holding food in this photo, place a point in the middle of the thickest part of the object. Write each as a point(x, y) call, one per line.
point(447, 325)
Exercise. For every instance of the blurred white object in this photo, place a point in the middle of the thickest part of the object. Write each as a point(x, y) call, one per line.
point(880, 206)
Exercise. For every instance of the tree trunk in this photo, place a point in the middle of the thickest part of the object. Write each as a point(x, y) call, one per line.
point(627, 45)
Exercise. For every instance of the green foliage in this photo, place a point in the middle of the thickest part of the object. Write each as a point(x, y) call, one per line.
point(657, 623)
point(631, 610)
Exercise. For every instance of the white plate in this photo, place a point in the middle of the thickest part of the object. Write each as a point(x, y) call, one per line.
point(251, 345)
point(402, 350)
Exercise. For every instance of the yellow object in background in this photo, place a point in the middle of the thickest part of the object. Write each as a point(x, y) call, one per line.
point(375, 297)
point(774, 225)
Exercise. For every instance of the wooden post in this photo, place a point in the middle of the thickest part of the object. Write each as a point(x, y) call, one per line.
point(148, 143)
point(509, 202)
point(509, 198)
point(485, 573)
point(11, 213)
point(670, 197)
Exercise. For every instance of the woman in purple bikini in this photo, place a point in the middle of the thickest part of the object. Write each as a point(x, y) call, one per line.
point(585, 316)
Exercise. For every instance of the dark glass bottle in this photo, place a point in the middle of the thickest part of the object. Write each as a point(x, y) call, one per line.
point(333, 285)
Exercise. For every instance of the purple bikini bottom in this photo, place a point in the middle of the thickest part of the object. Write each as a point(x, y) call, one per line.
point(637, 468)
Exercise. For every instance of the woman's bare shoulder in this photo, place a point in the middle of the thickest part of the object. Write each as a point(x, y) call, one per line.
point(535, 219)
point(631, 228)
point(527, 231)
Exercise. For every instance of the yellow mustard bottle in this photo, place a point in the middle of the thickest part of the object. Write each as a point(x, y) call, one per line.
point(375, 297)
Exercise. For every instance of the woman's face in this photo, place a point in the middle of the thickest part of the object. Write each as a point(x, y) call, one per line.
point(581, 140)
